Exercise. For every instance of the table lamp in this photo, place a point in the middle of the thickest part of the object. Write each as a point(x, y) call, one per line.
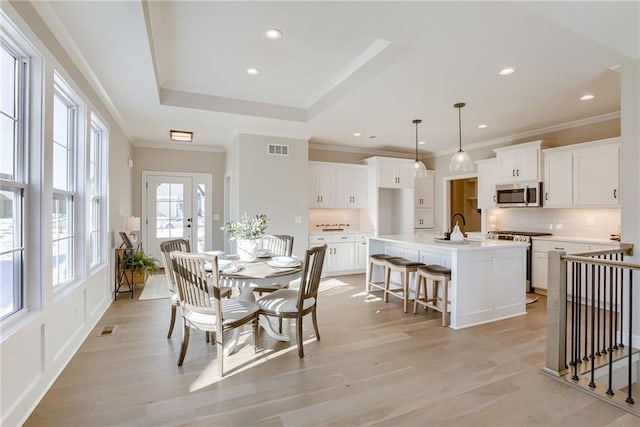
point(133, 227)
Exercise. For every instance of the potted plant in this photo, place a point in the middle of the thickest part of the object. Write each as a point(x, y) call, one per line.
point(248, 233)
point(136, 264)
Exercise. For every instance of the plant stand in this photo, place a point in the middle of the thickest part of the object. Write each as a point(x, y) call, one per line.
point(123, 277)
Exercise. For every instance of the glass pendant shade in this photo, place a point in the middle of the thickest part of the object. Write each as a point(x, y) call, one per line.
point(419, 169)
point(460, 161)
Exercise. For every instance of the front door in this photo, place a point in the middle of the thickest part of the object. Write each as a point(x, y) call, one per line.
point(177, 206)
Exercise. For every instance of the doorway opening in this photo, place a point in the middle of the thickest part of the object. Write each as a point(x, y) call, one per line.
point(463, 199)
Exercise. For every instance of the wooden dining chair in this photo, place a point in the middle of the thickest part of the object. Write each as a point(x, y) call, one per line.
point(166, 248)
point(295, 304)
point(277, 245)
point(202, 305)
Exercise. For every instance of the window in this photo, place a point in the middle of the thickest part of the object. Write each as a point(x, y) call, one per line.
point(95, 191)
point(65, 135)
point(13, 182)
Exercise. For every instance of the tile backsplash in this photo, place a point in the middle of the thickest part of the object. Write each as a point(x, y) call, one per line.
point(574, 222)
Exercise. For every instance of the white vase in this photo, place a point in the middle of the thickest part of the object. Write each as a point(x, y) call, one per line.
point(247, 249)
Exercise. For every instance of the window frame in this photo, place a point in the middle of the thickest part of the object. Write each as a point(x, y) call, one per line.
point(99, 193)
point(18, 184)
point(74, 105)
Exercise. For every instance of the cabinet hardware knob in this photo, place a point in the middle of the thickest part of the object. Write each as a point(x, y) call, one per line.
point(615, 194)
point(546, 196)
point(559, 249)
point(513, 172)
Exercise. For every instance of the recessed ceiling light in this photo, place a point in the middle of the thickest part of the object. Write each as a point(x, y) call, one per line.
point(357, 134)
point(421, 143)
point(587, 97)
point(181, 135)
point(482, 126)
point(252, 71)
point(507, 71)
point(273, 34)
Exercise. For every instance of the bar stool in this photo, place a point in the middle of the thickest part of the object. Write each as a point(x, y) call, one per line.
point(377, 260)
point(405, 268)
point(436, 274)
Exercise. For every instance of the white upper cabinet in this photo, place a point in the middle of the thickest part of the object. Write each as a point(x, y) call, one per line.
point(392, 172)
point(322, 185)
point(423, 190)
point(519, 163)
point(558, 179)
point(423, 200)
point(487, 180)
point(596, 175)
point(335, 185)
point(351, 186)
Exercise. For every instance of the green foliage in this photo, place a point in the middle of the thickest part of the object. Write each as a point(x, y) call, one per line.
point(247, 228)
point(138, 260)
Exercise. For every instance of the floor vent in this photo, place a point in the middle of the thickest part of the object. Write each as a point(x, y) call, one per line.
point(278, 150)
point(108, 330)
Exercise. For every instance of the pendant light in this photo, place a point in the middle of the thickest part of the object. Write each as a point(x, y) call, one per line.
point(460, 161)
point(419, 169)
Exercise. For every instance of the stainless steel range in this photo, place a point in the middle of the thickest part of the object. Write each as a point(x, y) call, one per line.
point(525, 237)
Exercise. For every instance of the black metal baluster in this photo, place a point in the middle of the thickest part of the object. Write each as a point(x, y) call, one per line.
point(604, 308)
point(598, 305)
point(578, 302)
point(629, 399)
point(622, 299)
point(610, 390)
point(592, 384)
point(574, 358)
point(586, 312)
point(566, 320)
point(615, 298)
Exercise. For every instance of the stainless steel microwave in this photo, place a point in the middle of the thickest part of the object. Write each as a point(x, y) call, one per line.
point(521, 194)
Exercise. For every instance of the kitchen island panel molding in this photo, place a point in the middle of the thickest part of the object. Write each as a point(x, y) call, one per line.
point(487, 277)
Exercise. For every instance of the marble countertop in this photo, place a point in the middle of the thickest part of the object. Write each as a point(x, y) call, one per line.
point(577, 239)
point(433, 241)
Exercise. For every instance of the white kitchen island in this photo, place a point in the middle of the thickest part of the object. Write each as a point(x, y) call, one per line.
point(488, 277)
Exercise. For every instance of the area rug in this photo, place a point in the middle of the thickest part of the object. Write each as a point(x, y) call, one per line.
point(155, 288)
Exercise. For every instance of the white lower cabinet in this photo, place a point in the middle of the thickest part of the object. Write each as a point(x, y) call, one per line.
point(540, 254)
point(346, 252)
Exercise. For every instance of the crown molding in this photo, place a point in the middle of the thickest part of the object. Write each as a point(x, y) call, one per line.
point(359, 150)
point(184, 146)
point(532, 133)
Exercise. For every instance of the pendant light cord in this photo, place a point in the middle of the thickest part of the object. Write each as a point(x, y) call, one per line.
point(416, 141)
point(460, 128)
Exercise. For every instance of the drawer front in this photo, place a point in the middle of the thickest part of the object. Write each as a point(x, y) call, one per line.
point(319, 239)
point(568, 247)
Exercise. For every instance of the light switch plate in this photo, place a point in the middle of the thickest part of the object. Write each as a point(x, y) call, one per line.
point(297, 219)
point(216, 217)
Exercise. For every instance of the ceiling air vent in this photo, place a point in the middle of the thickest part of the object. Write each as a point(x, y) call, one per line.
point(278, 150)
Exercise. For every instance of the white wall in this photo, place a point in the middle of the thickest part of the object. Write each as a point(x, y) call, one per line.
point(271, 184)
point(36, 346)
point(630, 176)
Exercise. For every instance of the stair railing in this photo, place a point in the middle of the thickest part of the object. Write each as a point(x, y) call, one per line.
point(590, 322)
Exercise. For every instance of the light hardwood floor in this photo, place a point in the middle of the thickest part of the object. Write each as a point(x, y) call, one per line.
point(373, 365)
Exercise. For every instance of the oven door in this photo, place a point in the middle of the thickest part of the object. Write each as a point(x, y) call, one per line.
point(526, 194)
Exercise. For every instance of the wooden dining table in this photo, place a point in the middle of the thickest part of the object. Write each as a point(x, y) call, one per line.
point(251, 275)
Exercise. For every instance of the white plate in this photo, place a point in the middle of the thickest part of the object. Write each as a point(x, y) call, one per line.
point(284, 261)
point(230, 269)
